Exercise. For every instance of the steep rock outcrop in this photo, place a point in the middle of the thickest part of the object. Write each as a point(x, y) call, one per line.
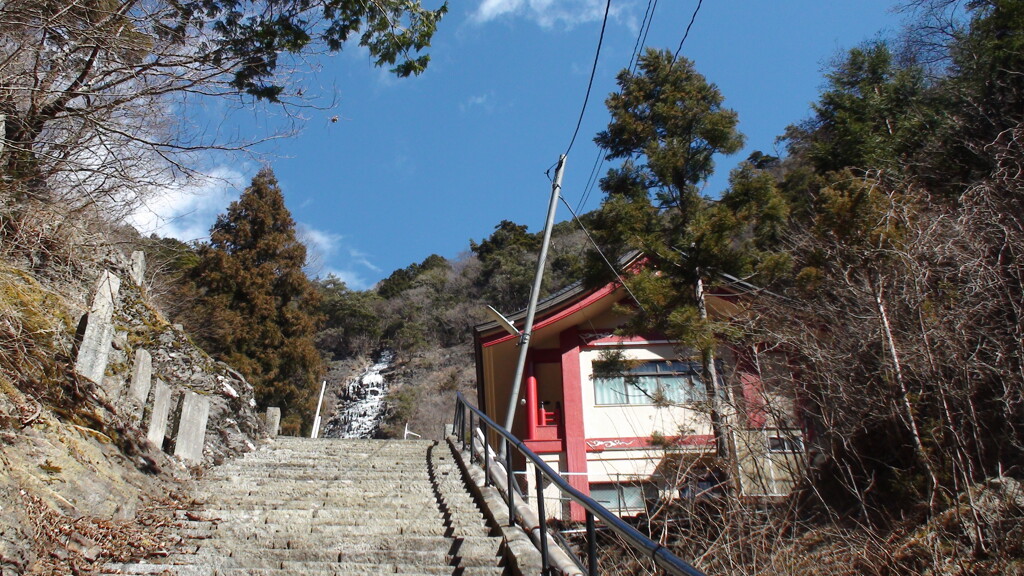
point(73, 452)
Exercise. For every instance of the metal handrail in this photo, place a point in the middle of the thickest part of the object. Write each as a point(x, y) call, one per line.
point(661, 556)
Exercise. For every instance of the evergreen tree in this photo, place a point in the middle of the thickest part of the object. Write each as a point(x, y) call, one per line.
point(353, 319)
point(667, 124)
point(508, 262)
point(871, 116)
point(260, 308)
point(906, 241)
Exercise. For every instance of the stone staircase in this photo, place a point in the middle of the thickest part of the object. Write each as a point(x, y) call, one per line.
point(327, 507)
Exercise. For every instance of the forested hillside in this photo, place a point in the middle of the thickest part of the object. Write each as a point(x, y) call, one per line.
point(95, 122)
point(883, 241)
point(886, 243)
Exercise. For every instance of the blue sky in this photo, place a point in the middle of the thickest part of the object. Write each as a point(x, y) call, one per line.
point(419, 166)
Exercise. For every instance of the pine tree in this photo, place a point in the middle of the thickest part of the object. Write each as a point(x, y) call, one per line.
point(260, 308)
point(667, 124)
point(508, 259)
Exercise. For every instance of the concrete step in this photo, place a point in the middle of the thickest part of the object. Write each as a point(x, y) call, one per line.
point(284, 524)
point(262, 558)
point(297, 500)
point(322, 508)
point(365, 543)
point(370, 482)
point(258, 531)
point(291, 559)
point(270, 488)
point(325, 515)
point(463, 547)
point(298, 570)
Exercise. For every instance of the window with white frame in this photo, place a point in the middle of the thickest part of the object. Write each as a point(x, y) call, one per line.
point(653, 381)
point(785, 444)
point(623, 498)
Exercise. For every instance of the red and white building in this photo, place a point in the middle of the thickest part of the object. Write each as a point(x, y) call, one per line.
point(627, 442)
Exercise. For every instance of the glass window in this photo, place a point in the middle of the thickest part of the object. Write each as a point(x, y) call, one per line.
point(622, 498)
point(675, 382)
point(785, 444)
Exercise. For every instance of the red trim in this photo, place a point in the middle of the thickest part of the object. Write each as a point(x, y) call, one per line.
point(572, 396)
point(753, 398)
point(592, 298)
point(551, 432)
point(545, 446)
point(611, 339)
point(644, 443)
point(531, 402)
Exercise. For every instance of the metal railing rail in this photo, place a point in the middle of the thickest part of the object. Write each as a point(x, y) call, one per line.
point(469, 418)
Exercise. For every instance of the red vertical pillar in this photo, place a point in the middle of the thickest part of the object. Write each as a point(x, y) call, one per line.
point(531, 401)
point(572, 396)
point(753, 399)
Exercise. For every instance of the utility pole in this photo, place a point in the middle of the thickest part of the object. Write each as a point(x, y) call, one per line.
point(524, 338)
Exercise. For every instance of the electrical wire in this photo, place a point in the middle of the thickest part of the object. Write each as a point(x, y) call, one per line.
point(687, 33)
point(593, 71)
point(634, 60)
point(601, 253)
point(591, 180)
point(640, 47)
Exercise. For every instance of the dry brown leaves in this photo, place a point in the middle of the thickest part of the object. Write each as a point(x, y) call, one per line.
point(81, 546)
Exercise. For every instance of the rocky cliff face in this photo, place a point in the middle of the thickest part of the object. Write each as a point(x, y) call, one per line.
point(78, 480)
point(383, 396)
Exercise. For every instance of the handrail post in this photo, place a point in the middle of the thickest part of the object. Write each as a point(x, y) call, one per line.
point(508, 484)
point(472, 435)
point(591, 545)
point(462, 427)
point(662, 557)
point(542, 524)
point(487, 458)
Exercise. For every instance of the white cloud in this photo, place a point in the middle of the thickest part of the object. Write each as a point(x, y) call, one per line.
point(187, 212)
point(322, 242)
point(323, 251)
point(546, 13)
point(484, 102)
point(362, 259)
point(353, 280)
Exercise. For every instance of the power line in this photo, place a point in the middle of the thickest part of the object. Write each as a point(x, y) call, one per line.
point(603, 257)
point(593, 71)
point(687, 33)
point(598, 162)
point(639, 47)
point(634, 60)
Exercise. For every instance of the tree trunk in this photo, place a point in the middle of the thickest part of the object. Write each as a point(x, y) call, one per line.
point(710, 375)
point(908, 407)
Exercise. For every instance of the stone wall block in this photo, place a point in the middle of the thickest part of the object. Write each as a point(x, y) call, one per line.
point(94, 350)
point(158, 416)
point(142, 380)
point(273, 420)
point(195, 411)
point(138, 267)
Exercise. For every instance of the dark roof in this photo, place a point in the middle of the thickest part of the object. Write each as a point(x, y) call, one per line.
point(577, 289)
point(567, 294)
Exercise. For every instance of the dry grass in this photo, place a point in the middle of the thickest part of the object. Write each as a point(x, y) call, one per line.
point(32, 339)
point(736, 539)
point(66, 545)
